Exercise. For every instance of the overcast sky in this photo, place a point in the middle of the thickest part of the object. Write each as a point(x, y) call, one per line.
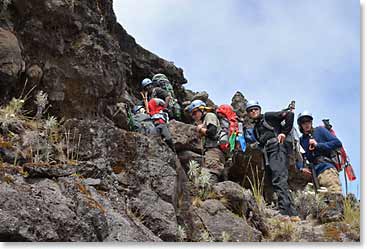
point(271, 51)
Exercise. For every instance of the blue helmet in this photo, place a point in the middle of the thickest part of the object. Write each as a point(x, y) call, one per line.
point(196, 104)
point(304, 114)
point(146, 82)
point(252, 103)
point(137, 108)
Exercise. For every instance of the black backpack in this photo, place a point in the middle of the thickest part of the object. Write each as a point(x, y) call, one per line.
point(144, 124)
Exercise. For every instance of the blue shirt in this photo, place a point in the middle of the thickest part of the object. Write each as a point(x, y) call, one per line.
point(326, 143)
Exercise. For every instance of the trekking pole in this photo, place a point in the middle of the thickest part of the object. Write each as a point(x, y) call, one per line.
point(202, 152)
point(145, 98)
point(202, 149)
point(315, 181)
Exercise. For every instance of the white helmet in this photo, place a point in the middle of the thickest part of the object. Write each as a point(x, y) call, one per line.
point(146, 82)
point(304, 114)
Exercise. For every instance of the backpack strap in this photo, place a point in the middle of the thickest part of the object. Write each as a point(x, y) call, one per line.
point(154, 92)
point(266, 124)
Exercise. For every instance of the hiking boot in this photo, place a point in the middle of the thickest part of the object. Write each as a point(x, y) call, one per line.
point(295, 219)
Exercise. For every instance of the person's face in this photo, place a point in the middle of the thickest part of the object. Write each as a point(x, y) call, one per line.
point(197, 115)
point(148, 88)
point(306, 125)
point(254, 112)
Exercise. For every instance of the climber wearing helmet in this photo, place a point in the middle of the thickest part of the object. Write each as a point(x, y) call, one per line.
point(147, 86)
point(271, 129)
point(208, 127)
point(153, 123)
point(160, 119)
point(142, 121)
point(152, 90)
point(164, 85)
point(319, 145)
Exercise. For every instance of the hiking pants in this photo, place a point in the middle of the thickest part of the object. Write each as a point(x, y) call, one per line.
point(277, 172)
point(163, 130)
point(329, 179)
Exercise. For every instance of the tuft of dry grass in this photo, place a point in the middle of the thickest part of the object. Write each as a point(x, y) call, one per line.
point(281, 231)
point(200, 178)
point(351, 214)
point(35, 139)
point(257, 187)
point(196, 201)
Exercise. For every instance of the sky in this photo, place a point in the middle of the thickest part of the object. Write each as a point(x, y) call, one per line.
point(271, 51)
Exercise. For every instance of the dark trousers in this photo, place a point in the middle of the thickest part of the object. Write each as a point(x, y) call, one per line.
point(277, 172)
point(163, 131)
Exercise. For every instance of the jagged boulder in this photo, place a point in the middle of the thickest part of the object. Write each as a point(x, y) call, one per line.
point(49, 171)
point(241, 202)
point(11, 61)
point(158, 215)
point(239, 104)
point(185, 137)
point(39, 212)
point(63, 210)
point(214, 222)
point(143, 168)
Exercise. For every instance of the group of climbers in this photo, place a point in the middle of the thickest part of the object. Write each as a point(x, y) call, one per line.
point(222, 134)
point(159, 105)
point(319, 150)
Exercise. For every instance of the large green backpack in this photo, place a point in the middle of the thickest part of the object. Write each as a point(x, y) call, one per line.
point(162, 81)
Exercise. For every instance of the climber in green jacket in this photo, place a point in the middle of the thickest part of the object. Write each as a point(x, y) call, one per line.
point(161, 83)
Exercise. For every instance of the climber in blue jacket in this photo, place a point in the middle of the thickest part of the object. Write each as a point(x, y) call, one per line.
point(319, 145)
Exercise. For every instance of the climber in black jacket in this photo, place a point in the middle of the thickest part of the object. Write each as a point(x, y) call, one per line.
point(271, 130)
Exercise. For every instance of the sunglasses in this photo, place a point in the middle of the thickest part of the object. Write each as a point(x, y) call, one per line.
point(253, 109)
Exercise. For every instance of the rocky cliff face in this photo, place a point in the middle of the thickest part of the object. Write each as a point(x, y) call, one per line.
point(89, 178)
point(78, 53)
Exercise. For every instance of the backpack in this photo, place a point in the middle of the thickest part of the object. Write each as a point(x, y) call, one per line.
point(155, 106)
point(167, 86)
point(229, 127)
point(338, 156)
point(173, 105)
point(143, 123)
